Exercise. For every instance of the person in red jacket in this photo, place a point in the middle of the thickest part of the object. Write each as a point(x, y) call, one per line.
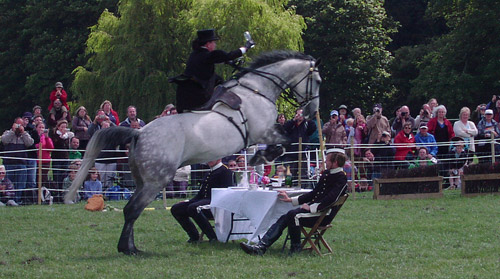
point(442, 129)
point(405, 143)
point(60, 94)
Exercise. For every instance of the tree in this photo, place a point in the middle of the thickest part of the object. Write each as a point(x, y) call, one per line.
point(40, 43)
point(461, 67)
point(133, 53)
point(350, 37)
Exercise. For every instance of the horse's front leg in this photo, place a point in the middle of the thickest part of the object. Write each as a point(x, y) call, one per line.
point(274, 138)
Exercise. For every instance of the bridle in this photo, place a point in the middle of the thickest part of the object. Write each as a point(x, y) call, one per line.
point(288, 91)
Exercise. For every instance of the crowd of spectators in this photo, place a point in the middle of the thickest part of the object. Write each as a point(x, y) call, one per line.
point(63, 135)
point(380, 144)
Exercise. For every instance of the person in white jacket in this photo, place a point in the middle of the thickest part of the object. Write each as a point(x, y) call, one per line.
point(465, 129)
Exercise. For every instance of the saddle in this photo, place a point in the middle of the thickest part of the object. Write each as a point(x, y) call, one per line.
point(223, 95)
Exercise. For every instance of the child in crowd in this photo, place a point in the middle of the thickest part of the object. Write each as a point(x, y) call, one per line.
point(73, 169)
point(58, 94)
point(349, 129)
point(92, 185)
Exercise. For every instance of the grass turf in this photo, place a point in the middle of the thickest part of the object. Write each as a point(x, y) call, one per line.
point(451, 237)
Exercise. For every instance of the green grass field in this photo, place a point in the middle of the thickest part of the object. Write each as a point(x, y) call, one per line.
point(452, 237)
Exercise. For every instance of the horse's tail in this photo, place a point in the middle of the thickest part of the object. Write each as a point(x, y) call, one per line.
point(106, 139)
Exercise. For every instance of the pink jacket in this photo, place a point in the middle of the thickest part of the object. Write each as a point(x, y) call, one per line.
point(46, 144)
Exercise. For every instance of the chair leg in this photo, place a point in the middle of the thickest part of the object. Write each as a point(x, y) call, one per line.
point(320, 236)
point(284, 243)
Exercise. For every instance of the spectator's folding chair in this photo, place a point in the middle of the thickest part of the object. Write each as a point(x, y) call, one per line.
point(314, 237)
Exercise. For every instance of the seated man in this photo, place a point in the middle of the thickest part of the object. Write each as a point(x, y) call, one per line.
point(218, 177)
point(329, 188)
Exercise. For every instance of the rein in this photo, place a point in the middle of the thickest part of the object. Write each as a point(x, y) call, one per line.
point(283, 85)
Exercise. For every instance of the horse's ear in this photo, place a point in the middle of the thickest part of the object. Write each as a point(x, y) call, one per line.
point(318, 62)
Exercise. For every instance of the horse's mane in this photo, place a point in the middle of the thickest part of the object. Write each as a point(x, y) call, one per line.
point(267, 58)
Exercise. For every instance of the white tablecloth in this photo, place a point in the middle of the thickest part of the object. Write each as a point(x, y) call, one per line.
point(261, 207)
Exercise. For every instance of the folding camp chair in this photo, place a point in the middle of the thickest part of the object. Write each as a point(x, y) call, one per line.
point(315, 235)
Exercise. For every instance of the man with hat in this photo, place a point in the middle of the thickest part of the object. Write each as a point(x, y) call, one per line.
point(376, 124)
point(196, 85)
point(334, 131)
point(487, 128)
point(330, 188)
point(423, 138)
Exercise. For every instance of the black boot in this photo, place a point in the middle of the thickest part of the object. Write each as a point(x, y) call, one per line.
point(189, 227)
point(294, 233)
point(257, 249)
point(205, 226)
point(295, 248)
point(268, 239)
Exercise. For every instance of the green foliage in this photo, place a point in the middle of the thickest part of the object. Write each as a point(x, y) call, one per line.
point(459, 68)
point(40, 43)
point(133, 54)
point(451, 237)
point(350, 37)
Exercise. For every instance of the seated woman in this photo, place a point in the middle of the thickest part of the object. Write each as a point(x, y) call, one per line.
point(92, 185)
point(405, 143)
point(7, 194)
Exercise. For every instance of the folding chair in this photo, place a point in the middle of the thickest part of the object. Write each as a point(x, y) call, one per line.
point(315, 235)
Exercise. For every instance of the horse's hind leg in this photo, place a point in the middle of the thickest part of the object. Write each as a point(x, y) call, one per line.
point(141, 198)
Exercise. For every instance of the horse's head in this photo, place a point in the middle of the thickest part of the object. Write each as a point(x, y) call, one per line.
point(293, 73)
point(306, 88)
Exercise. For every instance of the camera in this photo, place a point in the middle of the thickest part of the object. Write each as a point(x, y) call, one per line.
point(377, 110)
point(403, 113)
point(102, 116)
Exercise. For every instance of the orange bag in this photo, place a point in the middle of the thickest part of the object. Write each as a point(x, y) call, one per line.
point(95, 203)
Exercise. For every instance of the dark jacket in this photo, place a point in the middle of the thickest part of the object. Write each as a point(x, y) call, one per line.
point(195, 86)
point(222, 177)
point(294, 132)
point(14, 142)
point(330, 186)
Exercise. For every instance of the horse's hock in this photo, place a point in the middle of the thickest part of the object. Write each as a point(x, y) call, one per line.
point(408, 188)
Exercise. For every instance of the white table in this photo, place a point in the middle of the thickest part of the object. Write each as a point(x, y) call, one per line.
point(261, 207)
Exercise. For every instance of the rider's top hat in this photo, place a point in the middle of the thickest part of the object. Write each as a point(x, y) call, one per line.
point(207, 35)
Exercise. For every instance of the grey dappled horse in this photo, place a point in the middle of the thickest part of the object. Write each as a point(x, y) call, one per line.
point(161, 147)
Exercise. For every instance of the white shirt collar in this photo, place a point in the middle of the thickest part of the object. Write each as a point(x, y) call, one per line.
point(216, 166)
point(336, 170)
